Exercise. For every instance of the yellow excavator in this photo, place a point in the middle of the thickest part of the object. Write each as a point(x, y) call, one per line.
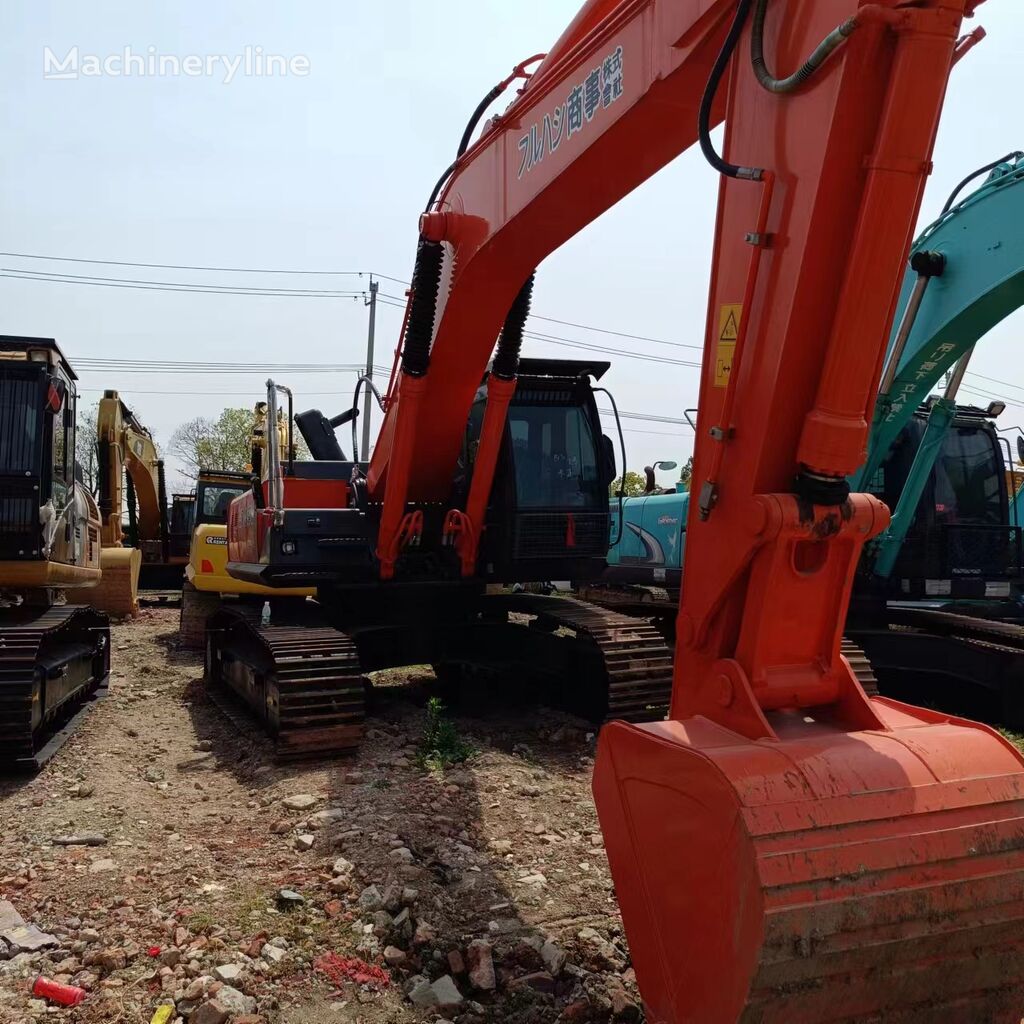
point(207, 581)
point(54, 657)
point(148, 551)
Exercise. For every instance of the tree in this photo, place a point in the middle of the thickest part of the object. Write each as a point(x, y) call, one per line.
point(224, 443)
point(686, 473)
point(634, 485)
point(85, 446)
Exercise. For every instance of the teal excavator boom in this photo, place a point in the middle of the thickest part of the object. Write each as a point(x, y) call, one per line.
point(967, 274)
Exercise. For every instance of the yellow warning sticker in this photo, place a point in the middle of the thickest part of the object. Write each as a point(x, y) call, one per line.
point(729, 318)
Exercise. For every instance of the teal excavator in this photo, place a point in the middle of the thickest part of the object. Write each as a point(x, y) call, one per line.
point(936, 598)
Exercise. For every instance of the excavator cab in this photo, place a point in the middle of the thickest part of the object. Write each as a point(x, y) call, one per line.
point(962, 544)
point(548, 517)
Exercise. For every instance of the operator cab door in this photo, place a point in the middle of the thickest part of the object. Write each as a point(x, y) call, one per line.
point(549, 516)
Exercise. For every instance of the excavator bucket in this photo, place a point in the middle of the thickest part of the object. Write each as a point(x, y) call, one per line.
point(823, 875)
point(117, 593)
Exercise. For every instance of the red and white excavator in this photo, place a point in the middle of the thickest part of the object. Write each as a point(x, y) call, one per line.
point(784, 848)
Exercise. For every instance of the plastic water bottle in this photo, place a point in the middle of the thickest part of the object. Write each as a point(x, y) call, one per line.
point(265, 616)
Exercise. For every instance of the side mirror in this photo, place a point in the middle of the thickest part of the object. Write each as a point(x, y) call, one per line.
point(1020, 447)
point(608, 459)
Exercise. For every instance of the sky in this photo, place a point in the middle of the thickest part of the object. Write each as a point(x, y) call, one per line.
point(328, 170)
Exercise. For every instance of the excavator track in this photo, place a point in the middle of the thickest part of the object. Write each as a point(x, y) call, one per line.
point(53, 663)
point(300, 678)
point(629, 657)
point(968, 627)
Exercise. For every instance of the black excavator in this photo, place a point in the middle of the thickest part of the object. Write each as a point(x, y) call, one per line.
point(54, 656)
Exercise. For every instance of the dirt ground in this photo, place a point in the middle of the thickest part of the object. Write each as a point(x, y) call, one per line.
point(480, 893)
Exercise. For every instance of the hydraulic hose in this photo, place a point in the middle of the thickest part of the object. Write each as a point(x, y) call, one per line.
point(510, 341)
point(708, 99)
point(622, 451)
point(821, 53)
point(419, 330)
point(1009, 158)
point(363, 382)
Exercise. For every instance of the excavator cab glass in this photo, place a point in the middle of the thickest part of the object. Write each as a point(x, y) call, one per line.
point(961, 536)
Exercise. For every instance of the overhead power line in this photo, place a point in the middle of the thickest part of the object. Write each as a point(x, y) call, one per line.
point(189, 266)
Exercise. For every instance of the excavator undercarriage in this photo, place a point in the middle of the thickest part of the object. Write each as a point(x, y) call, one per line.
point(53, 662)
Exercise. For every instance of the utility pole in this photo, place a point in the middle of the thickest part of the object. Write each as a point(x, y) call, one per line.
point(367, 394)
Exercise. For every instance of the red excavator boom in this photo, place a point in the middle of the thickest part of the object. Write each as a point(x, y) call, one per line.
point(784, 848)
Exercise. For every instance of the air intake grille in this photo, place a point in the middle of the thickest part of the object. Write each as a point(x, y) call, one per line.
point(560, 535)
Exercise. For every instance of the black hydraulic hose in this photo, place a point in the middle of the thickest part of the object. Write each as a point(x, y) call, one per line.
point(510, 341)
point(1009, 158)
point(708, 99)
point(622, 452)
point(419, 329)
point(440, 184)
point(821, 53)
point(367, 382)
point(481, 107)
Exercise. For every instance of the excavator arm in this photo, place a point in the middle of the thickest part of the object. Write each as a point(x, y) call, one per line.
point(127, 457)
point(783, 847)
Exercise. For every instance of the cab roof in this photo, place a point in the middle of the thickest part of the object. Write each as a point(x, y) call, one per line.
point(17, 343)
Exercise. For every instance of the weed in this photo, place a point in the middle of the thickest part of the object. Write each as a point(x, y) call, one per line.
point(380, 784)
point(441, 745)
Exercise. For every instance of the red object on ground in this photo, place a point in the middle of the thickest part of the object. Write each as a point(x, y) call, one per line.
point(66, 995)
point(340, 969)
point(153, 951)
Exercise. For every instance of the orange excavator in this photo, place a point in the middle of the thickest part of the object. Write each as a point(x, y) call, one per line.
point(784, 847)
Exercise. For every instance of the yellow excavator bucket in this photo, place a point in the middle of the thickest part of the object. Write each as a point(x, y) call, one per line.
point(117, 593)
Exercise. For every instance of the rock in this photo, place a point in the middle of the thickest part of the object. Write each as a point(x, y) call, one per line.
point(289, 899)
point(481, 965)
point(370, 899)
point(354, 778)
point(81, 839)
point(273, 954)
point(170, 957)
point(332, 908)
point(325, 817)
point(300, 802)
point(228, 972)
point(234, 1001)
point(446, 993)
point(5, 952)
point(28, 938)
point(401, 855)
point(599, 949)
point(539, 981)
point(455, 962)
point(500, 845)
point(410, 896)
point(281, 827)
point(424, 934)
point(213, 1012)
point(342, 867)
point(154, 774)
point(395, 957)
point(99, 866)
point(204, 746)
point(623, 1008)
point(84, 789)
point(304, 842)
point(249, 1018)
point(554, 958)
point(9, 917)
point(534, 878)
point(421, 993)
